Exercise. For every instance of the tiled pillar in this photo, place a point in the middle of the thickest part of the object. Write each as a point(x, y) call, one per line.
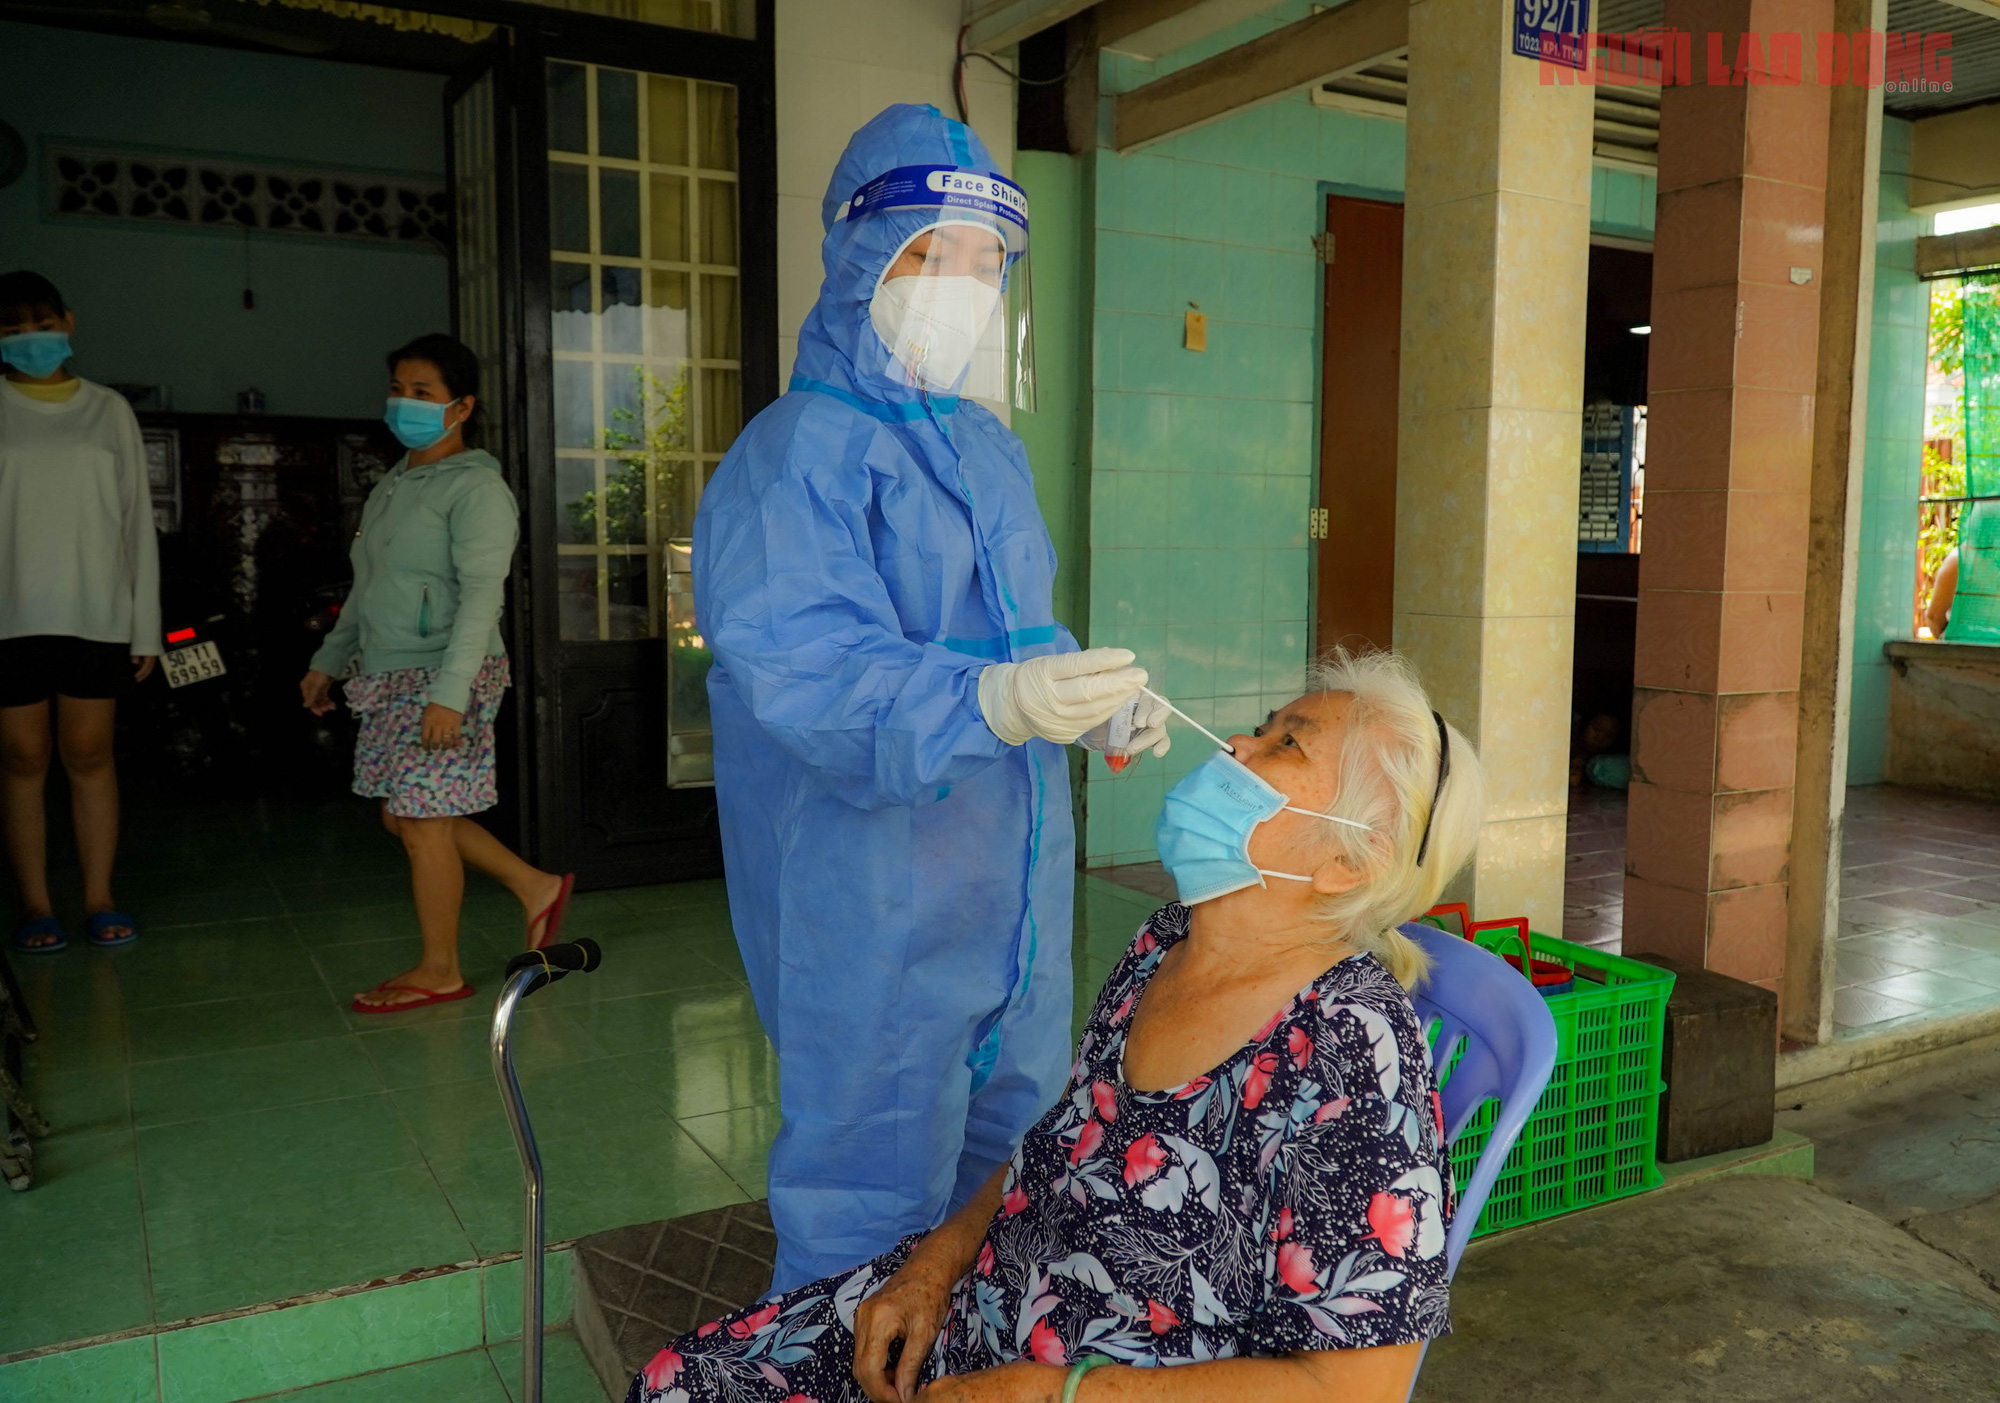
point(1840, 433)
point(1736, 266)
point(1496, 254)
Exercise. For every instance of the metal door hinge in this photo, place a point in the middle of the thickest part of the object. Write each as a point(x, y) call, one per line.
point(1319, 522)
point(1323, 246)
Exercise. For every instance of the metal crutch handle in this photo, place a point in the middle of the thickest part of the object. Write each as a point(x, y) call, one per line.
point(527, 972)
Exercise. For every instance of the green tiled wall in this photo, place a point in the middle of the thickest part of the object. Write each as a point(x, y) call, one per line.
point(1892, 470)
point(1055, 433)
point(1202, 463)
point(1622, 202)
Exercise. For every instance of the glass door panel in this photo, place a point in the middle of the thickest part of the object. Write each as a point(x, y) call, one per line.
point(646, 337)
point(690, 742)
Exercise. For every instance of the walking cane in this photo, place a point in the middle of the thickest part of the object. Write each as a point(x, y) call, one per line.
point(526, 973)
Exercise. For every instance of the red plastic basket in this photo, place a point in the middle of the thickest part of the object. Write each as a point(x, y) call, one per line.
point(1547, 976)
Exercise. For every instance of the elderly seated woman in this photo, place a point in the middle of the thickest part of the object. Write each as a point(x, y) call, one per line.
point(1243, 1193)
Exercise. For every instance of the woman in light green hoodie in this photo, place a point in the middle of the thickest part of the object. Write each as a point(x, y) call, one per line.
point(419, 643)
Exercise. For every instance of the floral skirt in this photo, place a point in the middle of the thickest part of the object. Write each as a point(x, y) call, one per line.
point(390, 761)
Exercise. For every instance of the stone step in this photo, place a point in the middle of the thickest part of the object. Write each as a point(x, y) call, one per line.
point(297, 1343)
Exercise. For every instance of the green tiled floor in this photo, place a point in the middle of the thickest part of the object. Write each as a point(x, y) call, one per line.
point(228, 1133)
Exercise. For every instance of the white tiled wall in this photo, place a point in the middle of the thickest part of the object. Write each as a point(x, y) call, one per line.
point(839, 63)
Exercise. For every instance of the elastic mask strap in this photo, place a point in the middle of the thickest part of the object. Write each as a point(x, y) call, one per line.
point(1312, 813)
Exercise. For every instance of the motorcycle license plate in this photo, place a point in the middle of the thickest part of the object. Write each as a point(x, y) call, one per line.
point(195, 663)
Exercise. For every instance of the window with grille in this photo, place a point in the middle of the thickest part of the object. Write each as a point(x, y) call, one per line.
point(645, 331)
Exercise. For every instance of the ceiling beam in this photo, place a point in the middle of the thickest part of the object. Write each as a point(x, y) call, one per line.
point(1989, 8)
point(995, 26)
point(1309, 51)
point(1148, 28)
point(1948, 255)
point(1955, 159)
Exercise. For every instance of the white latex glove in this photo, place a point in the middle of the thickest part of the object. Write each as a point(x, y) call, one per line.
point(1139, 725)
point(1057, 697)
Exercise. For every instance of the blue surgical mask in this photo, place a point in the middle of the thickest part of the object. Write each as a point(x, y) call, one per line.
point(36, 354)
point(416, 423)
point(1205, 827)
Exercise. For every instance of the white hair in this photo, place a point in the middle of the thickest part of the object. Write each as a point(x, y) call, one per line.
point(1388, 774)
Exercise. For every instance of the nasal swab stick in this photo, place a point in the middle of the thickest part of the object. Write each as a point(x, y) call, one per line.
point(1189, 719)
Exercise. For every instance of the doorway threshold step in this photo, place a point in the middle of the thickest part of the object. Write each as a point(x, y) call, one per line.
point(273, 1349)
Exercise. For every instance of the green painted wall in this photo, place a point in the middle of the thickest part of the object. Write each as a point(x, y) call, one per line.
point(164, 306)
point(1892, 470)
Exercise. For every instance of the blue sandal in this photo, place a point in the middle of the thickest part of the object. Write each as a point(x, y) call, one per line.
point(40, 926)
point(105, 920)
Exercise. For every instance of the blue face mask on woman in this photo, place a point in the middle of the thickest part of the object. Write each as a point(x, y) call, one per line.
point(417, 423)
point(1205, 827)
point(36, 354)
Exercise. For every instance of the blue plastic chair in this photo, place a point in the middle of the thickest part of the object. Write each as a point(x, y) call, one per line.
point(1510, 1050)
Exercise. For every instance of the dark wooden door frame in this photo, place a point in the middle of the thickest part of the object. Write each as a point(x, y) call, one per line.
point(514, 819)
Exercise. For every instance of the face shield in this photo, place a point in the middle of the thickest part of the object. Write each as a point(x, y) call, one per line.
point(953, 304)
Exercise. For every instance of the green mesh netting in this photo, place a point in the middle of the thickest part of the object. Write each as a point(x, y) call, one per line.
point(1975, 608)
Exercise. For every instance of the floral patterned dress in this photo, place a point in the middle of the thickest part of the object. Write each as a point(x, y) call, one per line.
point(390, 761)
point(1294, 1198)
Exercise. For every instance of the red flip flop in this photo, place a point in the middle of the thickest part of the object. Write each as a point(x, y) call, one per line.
point(463, 991)
point(552, 916)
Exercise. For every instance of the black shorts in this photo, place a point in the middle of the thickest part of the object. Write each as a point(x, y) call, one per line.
point(45, 665)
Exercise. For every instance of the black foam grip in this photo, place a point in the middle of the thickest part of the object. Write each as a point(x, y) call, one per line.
point(557, 962)
point(575, 956)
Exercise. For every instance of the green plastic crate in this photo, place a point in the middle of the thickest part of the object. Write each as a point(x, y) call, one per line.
point(1593, 1135)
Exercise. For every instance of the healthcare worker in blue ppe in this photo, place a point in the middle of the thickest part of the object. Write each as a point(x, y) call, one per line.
point(891, 694)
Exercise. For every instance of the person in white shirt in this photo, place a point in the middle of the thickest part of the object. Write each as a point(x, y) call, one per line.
point(79, 603)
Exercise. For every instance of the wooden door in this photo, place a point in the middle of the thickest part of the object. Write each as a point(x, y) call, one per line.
point(649, 233)
point(1361, 336)
point(618, 269)
point(485, 315)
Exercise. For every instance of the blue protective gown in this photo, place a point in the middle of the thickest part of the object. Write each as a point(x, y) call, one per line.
point(900, 879)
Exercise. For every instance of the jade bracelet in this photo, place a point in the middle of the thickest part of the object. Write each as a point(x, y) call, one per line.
point(1077, 1371)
